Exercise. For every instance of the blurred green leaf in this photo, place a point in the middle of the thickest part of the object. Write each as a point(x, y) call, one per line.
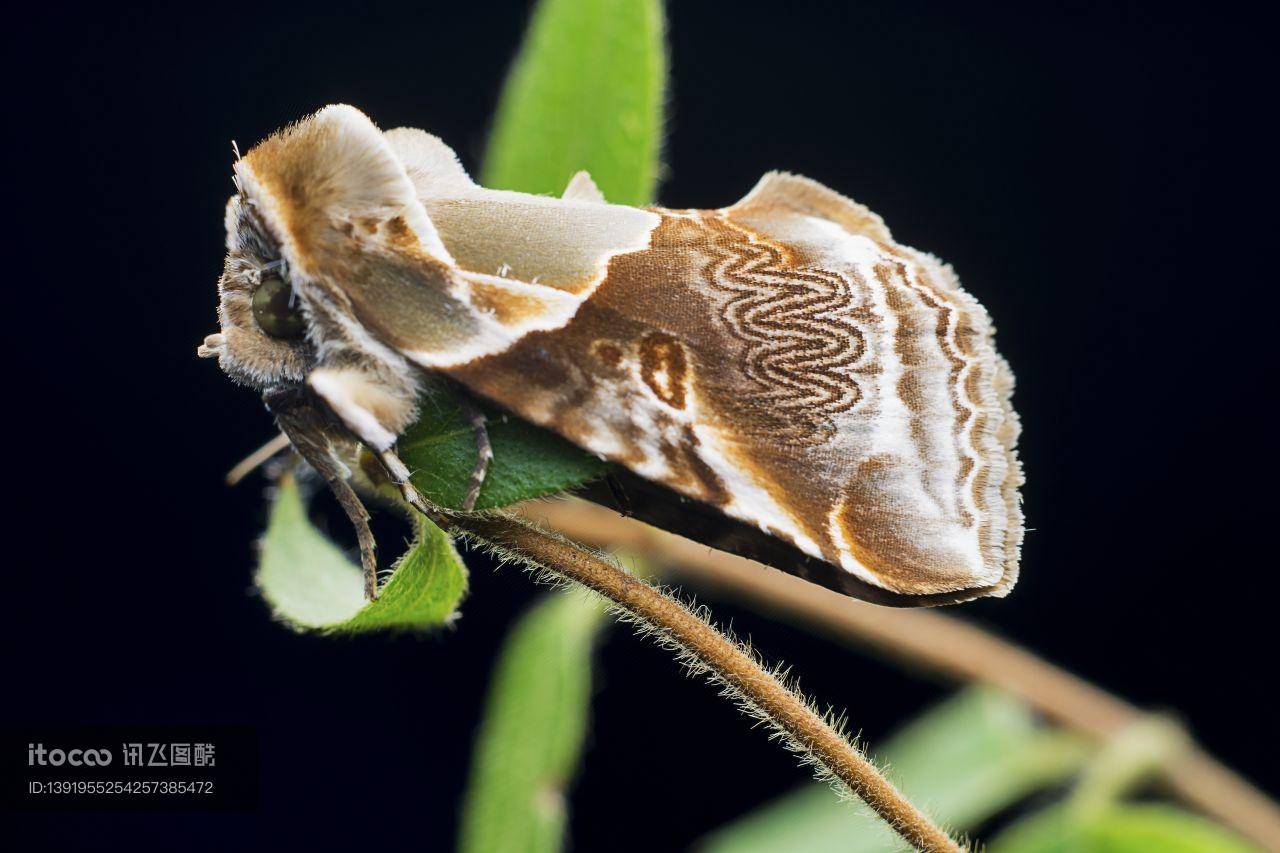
point(531, 737)
point(586, 92)
point(311, 585)
point(962, 761)
point(528, 462)
point(1126, 760)
point(1118, 829)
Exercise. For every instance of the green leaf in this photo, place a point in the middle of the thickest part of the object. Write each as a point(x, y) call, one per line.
point(528, 462)
point(962, 761)
point(311, 585)
point(532, 733)
point(586, 92)
point(1118, 829)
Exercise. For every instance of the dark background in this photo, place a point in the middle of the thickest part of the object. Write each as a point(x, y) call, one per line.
point(1092, 174)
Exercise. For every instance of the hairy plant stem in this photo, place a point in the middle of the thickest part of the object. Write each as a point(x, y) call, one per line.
point(726, 662)
point(931, 641)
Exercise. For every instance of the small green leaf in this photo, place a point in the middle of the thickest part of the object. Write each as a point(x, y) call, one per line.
point(534, 724)
point(311, 585)
point(961, 762)
point(528, 462)
point(586, 92)
point(1118, 829)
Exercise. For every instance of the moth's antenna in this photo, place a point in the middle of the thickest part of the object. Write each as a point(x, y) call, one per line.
point(235, 148)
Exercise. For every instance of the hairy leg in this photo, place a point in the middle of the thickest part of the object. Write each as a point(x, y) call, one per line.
point(312, 432)
point(484, 449)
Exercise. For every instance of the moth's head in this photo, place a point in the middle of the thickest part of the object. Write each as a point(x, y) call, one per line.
point(288, 226)
point(263, 339)
point(323, 207)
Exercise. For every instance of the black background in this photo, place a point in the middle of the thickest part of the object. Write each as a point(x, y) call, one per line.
point(1093, 174)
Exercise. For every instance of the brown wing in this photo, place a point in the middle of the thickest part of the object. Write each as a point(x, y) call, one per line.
point(782, 360)
point(786, 363)
point(357, 212)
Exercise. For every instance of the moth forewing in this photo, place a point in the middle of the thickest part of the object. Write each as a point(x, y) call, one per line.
point(782, 360)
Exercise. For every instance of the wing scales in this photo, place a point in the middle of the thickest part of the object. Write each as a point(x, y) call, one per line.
point(782, 359)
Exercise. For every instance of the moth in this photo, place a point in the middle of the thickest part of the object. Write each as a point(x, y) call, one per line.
point(782, 361)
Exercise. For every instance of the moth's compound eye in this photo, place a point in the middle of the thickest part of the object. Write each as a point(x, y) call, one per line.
point(275, 310)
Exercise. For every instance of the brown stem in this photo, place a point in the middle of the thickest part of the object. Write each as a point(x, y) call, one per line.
point(726, 660)
point(929, 640)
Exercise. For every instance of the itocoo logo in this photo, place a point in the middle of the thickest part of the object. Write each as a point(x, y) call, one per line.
point(37, 754)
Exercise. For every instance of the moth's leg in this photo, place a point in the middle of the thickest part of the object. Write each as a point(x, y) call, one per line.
point(313, 434)
point(359, 516)
point(375, 412)
point(368, 407)
point(399, 473)
point(484, 449)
